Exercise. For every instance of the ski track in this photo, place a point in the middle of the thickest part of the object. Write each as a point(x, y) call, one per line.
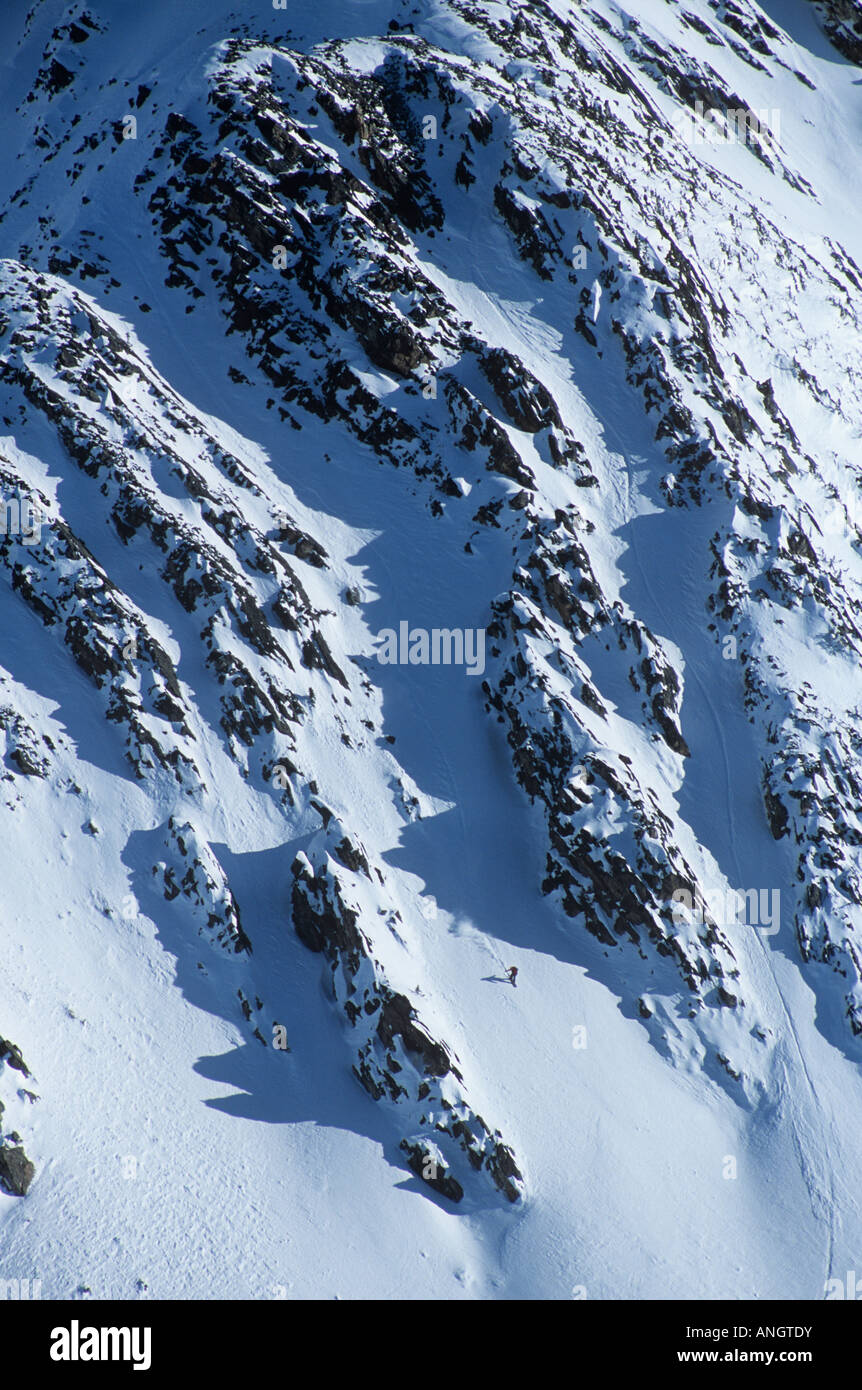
point(819, 1137)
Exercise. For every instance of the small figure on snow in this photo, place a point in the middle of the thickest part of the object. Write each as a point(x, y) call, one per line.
point(513, 972)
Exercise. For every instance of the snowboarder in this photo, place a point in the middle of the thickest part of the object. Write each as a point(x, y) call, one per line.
point(513, 971)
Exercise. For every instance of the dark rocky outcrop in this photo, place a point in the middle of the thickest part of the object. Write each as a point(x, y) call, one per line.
point(397, 1059)
point(16, 1170)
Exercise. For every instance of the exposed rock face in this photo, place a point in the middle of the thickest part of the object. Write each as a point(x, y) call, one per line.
point(397, 1060)
point(16, 1170)
point(842, 22)
point(11, 1055)
point(196, 874)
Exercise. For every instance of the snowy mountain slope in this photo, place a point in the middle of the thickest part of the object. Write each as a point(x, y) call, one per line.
point(457, 315)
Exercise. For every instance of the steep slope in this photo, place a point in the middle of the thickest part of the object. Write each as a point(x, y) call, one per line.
point(468, 317)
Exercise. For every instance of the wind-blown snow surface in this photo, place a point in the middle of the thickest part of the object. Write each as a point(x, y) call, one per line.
point(383, 312)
